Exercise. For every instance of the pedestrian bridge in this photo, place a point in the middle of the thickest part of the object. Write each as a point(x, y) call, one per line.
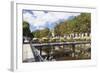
point(59, 43)
point(38, 47)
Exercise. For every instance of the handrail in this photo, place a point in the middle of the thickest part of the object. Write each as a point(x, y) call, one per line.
point(59, 43)
point(36, 53)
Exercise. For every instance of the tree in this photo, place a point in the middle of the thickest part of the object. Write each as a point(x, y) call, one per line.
point(26, 30)
point(78, 24)
point(44, 32)
point(41, 33)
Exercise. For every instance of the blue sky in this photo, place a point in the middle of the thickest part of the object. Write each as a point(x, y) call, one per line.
point(39, 20)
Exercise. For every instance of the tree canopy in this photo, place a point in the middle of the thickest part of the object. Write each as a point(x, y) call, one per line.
point(26, 30)
point(79, 24)
point(42, 33)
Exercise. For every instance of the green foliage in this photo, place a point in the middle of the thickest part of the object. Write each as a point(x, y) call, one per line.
point(54, 40)
point(60, 29)
point(26, 30)
point(42, 33)
point(79, 24)
point(36, 34)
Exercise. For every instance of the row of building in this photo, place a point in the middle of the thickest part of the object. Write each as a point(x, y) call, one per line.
point(67, 36)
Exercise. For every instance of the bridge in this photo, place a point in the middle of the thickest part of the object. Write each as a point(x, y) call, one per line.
point(59, 43)
point(37, 48)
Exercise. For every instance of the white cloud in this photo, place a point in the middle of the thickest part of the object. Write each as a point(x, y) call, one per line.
point(28, 17)
point(40, 19)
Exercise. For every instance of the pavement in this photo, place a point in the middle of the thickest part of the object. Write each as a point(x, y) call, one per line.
point(27, 54)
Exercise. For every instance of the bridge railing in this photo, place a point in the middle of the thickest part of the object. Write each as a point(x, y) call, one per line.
point(37, 48)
